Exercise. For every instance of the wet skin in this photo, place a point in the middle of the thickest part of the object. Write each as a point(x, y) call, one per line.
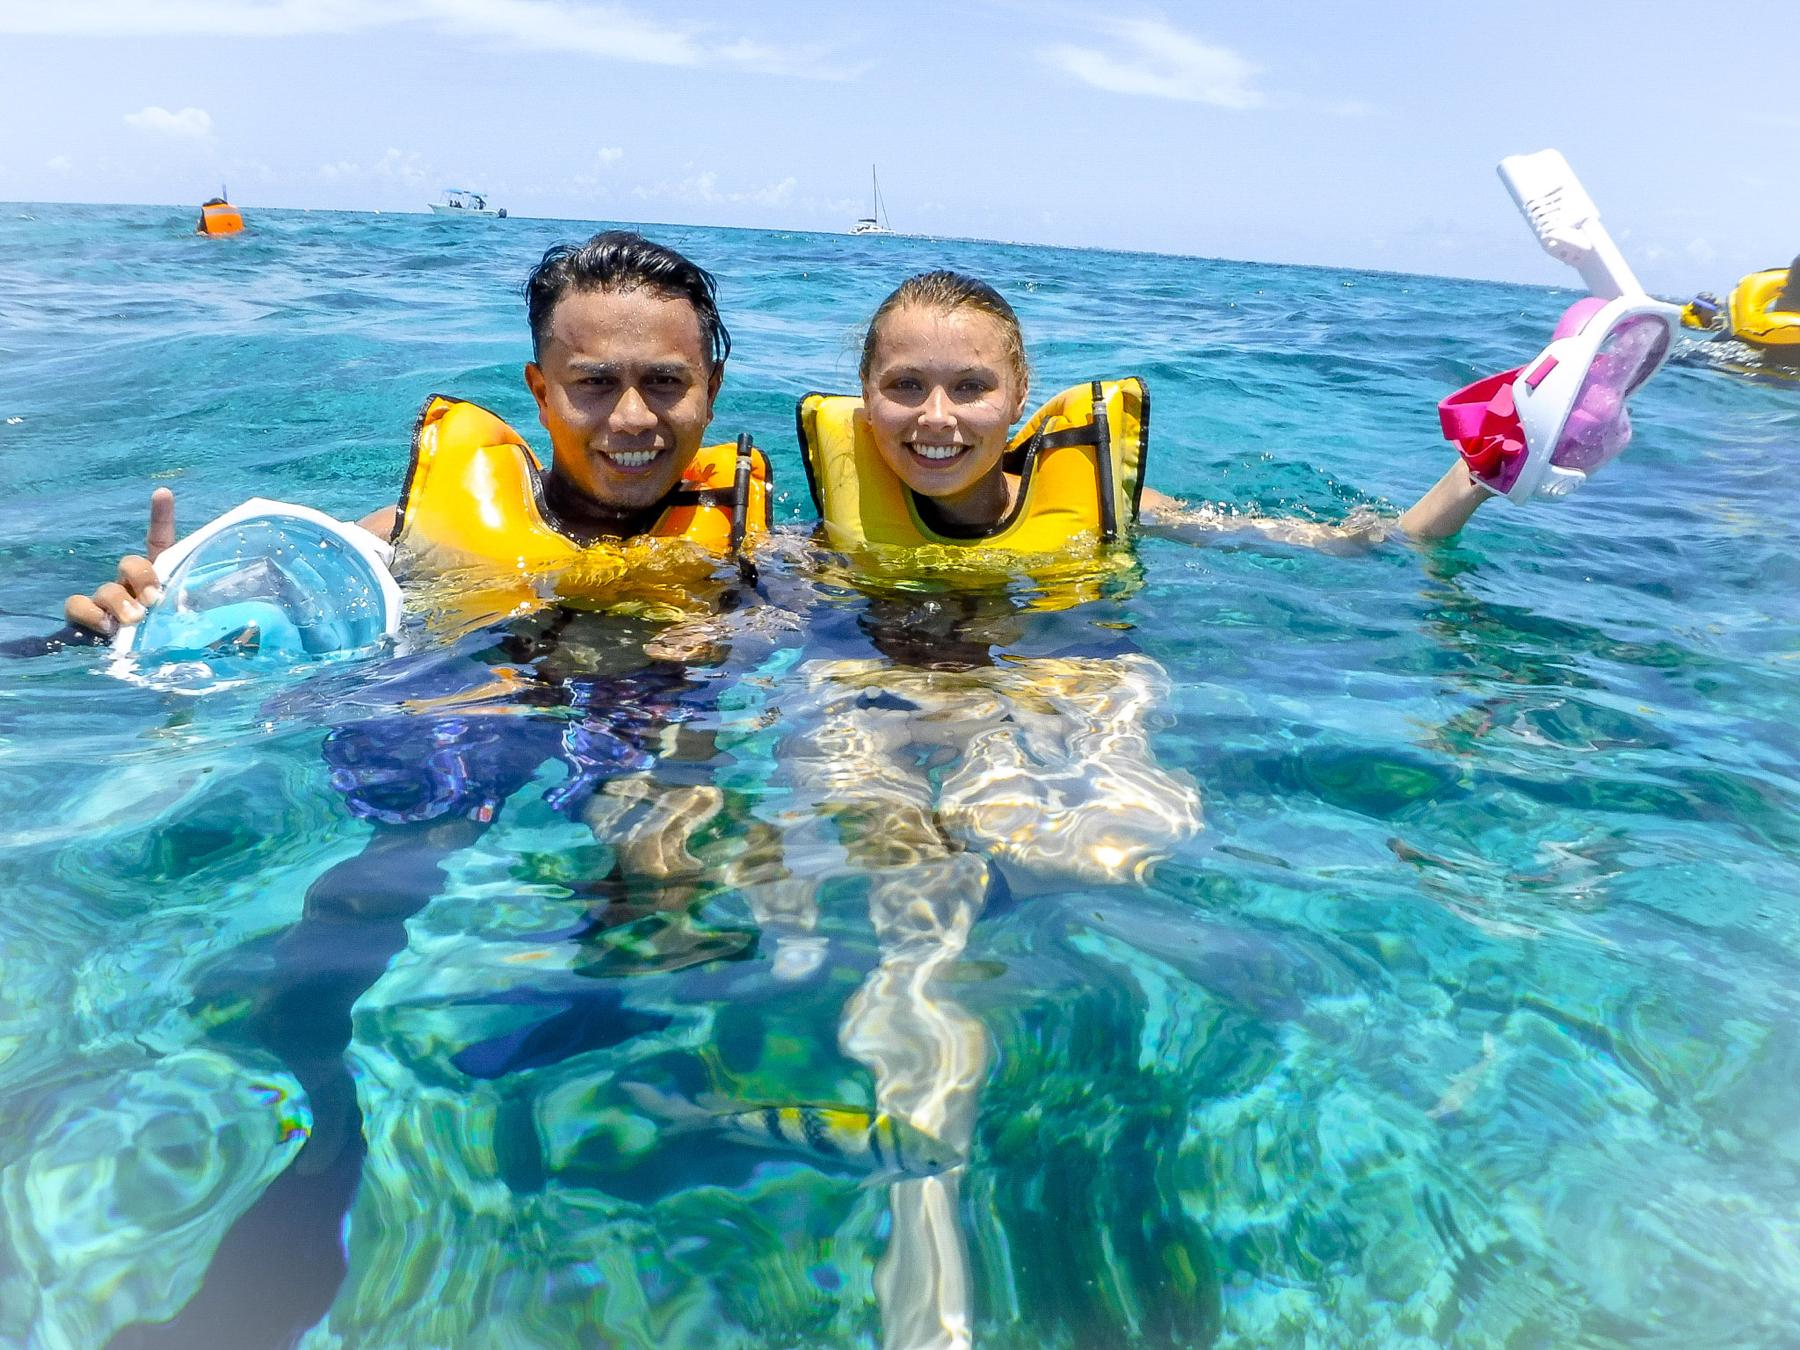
point(942, 379)
point(625, 388)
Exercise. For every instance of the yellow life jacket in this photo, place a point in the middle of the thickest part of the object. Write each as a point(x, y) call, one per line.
point(1751, 318)
point(1079, 458)
point(475, 494)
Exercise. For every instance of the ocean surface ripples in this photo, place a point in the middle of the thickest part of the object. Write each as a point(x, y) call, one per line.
point(1401, 948)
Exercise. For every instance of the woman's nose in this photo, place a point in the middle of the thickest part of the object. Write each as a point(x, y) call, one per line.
point(937, 409)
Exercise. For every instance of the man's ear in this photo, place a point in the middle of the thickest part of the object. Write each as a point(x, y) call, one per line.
point(540, 389)
point(713, 382)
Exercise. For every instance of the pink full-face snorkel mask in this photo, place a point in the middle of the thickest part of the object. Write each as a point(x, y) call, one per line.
point(1541, 430)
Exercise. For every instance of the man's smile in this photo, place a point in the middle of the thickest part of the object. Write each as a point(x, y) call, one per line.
point(630, 459)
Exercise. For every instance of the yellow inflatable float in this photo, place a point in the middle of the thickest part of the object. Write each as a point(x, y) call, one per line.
point(1751, 318)
point(1763, 310)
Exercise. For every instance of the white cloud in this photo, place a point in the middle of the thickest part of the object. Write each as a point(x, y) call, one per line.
point(403, 167)
point(1702, 251)
point(703, 188)
point(1158, 60)
point(607, 31)
point(599, 172)
point(60, 164)
point(190, 124)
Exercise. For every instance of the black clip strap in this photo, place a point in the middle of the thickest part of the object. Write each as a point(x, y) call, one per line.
point(1103, 466)
point(740, 493)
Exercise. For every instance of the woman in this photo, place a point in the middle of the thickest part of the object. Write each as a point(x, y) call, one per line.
point(1041, 769)
point(925, 460)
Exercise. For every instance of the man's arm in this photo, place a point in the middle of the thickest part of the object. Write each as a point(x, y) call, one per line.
point(124, 601)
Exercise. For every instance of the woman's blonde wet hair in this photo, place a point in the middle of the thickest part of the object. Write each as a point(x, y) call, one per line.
point(948, 292)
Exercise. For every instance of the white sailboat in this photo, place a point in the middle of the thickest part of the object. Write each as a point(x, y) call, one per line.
point(876, 222)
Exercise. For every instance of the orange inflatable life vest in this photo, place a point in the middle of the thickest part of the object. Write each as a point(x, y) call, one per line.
point(219, 216)
point(474, 493)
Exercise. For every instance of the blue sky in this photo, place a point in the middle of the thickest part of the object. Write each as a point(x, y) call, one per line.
point(1361, 135)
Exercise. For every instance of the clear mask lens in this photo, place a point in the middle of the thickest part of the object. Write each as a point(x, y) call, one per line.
point(1598, 426)
point(271, 587)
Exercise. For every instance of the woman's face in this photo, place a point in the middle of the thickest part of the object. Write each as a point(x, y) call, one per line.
point(940, 397)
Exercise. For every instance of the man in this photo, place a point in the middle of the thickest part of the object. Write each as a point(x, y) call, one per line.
point(629, 352)
point(628, 355)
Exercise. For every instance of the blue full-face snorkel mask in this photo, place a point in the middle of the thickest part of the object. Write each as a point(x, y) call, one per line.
point(266, 585)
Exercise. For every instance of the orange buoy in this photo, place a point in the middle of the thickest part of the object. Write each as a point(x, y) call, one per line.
point(218, 216)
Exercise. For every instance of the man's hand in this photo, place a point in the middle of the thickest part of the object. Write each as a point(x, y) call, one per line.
point(124, 601)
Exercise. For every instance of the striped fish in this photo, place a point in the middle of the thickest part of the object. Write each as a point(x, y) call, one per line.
point(873, 1142)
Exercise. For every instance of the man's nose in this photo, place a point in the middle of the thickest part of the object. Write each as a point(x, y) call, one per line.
point(631, 416)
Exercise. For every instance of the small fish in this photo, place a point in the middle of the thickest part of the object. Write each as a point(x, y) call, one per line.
point(875, 1142)
point(1464, 1085)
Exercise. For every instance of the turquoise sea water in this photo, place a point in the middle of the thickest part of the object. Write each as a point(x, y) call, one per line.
point(1466, 1017)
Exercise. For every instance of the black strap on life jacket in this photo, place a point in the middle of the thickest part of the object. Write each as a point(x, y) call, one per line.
point(1097, 433)
point(740, 493)
point(1103, 465)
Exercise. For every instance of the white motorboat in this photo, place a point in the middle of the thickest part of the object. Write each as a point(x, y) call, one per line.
point(465, 202)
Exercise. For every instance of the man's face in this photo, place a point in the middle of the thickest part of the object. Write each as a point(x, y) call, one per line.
point(623, 388)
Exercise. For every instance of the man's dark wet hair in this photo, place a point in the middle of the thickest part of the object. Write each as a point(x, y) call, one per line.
point(622, 260)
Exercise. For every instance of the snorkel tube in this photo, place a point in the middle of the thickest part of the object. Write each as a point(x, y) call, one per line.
point(1542, 429)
